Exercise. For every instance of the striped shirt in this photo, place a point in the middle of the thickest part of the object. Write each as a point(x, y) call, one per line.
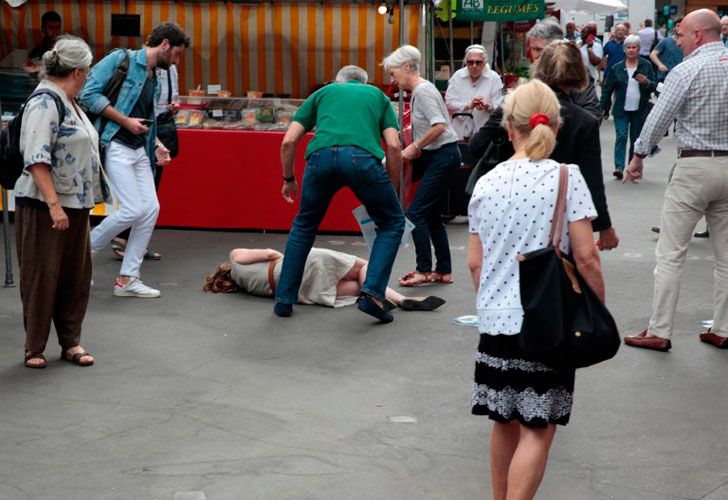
point(696, 93)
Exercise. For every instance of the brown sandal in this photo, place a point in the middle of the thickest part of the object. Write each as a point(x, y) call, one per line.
point(30, 356)
point(435, 277)
point(76, 358)
point(414, 278)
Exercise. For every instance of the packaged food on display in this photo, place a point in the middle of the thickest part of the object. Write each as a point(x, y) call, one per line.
point(196, 118)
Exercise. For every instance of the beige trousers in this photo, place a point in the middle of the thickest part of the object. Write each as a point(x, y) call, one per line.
point(696, 186)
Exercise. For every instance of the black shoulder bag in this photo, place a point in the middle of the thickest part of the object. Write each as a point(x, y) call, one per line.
point(564, 322)
point(166, 128)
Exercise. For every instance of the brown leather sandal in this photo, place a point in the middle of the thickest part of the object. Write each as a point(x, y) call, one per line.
point(414, 278)
point(76, 358)
point(32, 355)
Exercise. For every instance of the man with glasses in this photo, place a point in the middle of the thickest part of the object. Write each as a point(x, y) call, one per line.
point(696, 93)
point(474, 89)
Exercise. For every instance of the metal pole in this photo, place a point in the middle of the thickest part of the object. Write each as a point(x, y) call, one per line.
point(472, 36)
point(500, 49)
point(449, 22)
point(401, 100)
point(9, 282)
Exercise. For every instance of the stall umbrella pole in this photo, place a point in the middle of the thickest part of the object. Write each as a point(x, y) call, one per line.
point(401, 103)
point(9, 282)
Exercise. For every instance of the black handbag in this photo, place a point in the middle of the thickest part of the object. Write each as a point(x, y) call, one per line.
point(564, 322)
point(166, 128)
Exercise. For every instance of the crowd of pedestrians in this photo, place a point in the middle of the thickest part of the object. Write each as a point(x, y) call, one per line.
point(552, 120)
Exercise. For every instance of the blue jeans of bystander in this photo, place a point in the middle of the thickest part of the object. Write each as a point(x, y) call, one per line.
point(327, 171)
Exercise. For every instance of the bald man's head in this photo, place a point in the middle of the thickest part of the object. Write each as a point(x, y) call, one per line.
point(707, 21)
point(698, 28)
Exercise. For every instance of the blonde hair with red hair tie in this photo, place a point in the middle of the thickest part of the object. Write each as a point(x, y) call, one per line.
point(539, 119)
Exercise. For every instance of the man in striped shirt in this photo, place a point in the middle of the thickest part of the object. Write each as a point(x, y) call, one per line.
point(696, 93)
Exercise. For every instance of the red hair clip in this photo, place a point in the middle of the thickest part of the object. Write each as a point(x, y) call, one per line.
point(538, 119)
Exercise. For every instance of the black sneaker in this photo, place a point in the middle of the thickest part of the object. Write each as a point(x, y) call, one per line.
point(617, 175)
point(656, 229)
point(704, 234)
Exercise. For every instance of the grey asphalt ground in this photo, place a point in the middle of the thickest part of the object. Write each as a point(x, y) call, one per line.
point(197, 396)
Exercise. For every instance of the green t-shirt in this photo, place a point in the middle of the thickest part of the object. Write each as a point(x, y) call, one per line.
point(347, 114)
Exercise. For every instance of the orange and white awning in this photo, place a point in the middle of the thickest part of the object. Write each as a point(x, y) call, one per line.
point(274, 47)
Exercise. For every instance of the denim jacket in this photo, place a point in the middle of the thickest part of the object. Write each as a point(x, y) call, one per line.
point(616, 82)
point(95, 101)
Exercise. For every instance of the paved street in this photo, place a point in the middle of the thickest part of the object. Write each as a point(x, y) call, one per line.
point(200, 396)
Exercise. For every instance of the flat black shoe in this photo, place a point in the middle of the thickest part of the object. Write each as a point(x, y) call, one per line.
point(656, 229)
point(704, 234)
point(283, 310)
point(367, 305)
point(618, 175)
point(427, 304)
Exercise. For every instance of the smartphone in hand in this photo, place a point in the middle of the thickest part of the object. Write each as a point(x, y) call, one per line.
point(145, 121)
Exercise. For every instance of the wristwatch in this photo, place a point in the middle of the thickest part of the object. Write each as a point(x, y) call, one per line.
point(289, 179)
point(641, 157)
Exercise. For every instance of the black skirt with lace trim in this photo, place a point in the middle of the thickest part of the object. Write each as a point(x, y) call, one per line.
point(512, 385)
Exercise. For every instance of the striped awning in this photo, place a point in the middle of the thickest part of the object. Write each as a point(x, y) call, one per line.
point(273, 47)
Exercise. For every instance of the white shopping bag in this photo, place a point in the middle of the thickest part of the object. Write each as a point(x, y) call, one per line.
point(369, 228)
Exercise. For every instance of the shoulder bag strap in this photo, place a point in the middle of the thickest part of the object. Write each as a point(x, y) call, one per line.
point(169, 86)
point(113, 88)
point(557, 222)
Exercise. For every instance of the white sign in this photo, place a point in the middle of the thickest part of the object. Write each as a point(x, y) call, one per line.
point(369, 228)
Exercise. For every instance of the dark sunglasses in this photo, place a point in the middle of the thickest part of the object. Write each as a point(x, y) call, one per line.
point(475, 63)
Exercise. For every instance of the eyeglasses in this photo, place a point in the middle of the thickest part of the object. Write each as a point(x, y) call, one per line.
point(475, 63)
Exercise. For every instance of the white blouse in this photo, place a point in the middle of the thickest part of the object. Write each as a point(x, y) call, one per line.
point(511, 211)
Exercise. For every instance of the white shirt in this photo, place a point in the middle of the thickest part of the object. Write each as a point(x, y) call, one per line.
point(162, 104)
point(460, 92)
point(632, 97)
point(647, 38)
point(511, 211)
point(428, 109)
point(599, 52)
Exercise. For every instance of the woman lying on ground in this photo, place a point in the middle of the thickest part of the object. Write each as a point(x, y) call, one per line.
point(330, 278)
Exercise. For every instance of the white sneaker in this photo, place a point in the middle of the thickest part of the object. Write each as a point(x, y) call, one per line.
point(135, 288)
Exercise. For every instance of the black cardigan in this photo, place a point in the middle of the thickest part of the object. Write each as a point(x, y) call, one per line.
point(577, 142)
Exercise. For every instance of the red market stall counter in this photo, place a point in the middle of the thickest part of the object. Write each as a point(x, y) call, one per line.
point(231, 179)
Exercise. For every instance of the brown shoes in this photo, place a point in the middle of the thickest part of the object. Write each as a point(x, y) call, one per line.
point(649, 342)
point(713, 339)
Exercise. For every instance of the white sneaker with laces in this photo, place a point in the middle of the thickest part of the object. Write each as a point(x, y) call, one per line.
point(135, 288)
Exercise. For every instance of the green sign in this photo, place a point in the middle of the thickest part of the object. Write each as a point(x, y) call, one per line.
point(500, 10)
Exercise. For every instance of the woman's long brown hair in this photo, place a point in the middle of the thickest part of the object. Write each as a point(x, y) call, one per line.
point(220, 281)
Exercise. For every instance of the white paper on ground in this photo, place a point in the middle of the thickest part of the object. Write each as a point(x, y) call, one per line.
point(369, 228)
point(467, 320)
point(402, 419)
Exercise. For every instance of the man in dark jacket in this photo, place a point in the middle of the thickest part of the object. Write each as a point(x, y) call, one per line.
point(577, 142)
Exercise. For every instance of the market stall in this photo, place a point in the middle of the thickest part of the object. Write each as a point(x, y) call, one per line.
point(274, 49)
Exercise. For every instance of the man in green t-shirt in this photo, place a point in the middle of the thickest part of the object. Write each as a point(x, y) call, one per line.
point(351, 119)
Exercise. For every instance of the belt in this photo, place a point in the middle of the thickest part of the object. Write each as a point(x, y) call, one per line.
point(688, 153)
point(271, 275)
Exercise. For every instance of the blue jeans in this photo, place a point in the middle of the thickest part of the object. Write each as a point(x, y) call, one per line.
point(327, 171)
point(629, 124)
point(425, 212)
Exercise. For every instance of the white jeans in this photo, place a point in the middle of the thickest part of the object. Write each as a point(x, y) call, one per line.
point(697, 186)
point(132, 181)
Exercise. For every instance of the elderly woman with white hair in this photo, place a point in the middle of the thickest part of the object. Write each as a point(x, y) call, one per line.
point(53, 197)
point(631, 81)
point(474, 89)
point(434, 152)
